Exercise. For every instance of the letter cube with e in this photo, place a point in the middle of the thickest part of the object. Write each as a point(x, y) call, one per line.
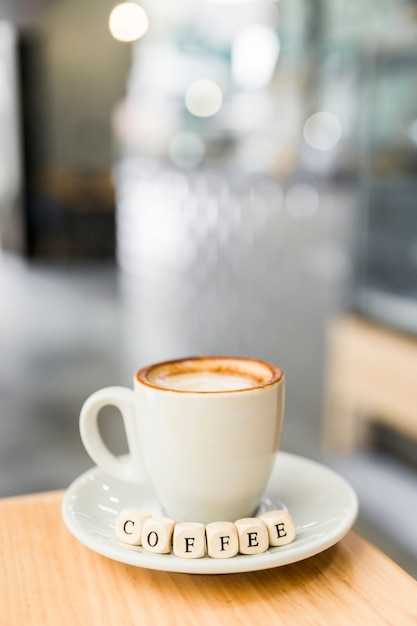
point(253, 535)
point(222, 540)
point(281, 527)
point(129, 526)
point(189, 540)
point(157, 534)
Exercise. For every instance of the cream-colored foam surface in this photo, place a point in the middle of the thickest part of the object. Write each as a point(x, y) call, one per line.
point(204, 381)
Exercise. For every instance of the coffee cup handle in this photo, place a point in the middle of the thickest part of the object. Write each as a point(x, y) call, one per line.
point(129, 468)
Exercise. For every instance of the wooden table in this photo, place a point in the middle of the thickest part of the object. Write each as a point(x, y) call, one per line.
point(48, 577)
point(371, 378)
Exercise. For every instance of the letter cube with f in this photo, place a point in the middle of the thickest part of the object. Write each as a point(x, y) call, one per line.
point(222, 540)
point(189, 540)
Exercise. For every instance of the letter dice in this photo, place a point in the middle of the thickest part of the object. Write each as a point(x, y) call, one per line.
point(222, 540)
point(189, 540)
point(157, 535)
point(281, 527)
point(129, 526)
point(253, 535)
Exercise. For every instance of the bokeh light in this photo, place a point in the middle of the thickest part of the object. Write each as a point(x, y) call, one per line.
point(255, 51)
point(203, 98)
point(322, 131)
point(128, 21)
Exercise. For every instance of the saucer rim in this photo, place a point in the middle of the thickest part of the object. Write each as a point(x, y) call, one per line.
point(300, 549)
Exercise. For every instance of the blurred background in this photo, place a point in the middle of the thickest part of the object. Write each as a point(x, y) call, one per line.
point(205, 177)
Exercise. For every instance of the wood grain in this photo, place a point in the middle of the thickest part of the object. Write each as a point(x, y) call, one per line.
point(48, 577)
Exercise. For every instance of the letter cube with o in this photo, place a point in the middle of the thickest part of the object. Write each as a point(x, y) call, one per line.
point(129, 526)
point(253, 535)
point(222, 540)
point(281, 527)
point(157, 535)
point(189, 540)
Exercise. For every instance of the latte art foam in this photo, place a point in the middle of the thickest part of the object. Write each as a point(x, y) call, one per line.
point(204, 381)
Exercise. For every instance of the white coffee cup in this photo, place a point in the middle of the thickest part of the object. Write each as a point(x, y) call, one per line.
point(206, 430)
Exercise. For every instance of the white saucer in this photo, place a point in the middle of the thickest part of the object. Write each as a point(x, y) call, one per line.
point(323, 505)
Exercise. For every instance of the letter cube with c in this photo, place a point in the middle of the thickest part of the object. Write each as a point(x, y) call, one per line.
point(222, 540)
point(189, 540)
point(129, 526)
point(157, 534)
point(281, 527)
point(253, 535)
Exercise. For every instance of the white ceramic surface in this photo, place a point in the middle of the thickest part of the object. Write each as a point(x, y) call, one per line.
point(323, 505)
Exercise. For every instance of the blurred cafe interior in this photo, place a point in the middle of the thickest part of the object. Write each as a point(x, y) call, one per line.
point(213, 177)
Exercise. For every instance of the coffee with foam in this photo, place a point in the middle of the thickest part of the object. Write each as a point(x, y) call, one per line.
point(209, 374)
point(205, 429)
